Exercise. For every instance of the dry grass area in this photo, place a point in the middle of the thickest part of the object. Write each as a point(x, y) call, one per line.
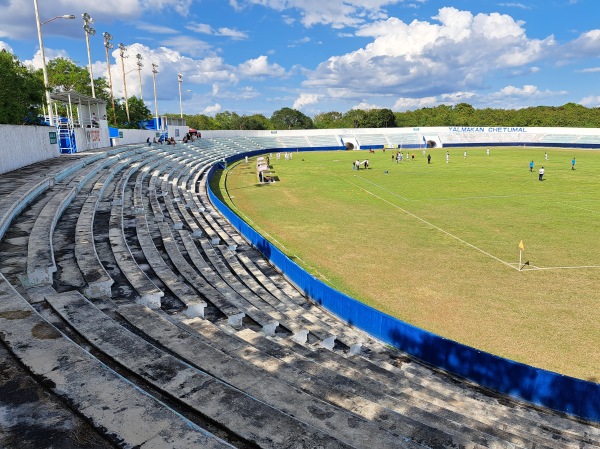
point(436, 245)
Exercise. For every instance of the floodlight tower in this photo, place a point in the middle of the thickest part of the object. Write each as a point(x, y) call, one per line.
point(44, 70)
point(122, 49)
point(154, 72)
point(89, 31)
point(108, 46)
point(179, 81)
point(140, 65)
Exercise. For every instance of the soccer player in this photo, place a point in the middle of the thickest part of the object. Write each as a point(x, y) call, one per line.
point(573, 164)
point(541, 174)
point(531, 167)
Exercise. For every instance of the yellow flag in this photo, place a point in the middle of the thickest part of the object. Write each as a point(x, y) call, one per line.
point(521, 246)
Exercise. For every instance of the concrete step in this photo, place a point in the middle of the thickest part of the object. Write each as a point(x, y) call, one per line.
point(122, 412)
point(214, 399)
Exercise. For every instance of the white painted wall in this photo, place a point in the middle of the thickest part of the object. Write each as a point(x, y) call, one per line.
point(24, 145)
point(177, 132)
point(91, 138)
point(134, 136)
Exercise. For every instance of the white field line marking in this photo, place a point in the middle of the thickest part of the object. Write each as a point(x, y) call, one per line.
point(513, 265)
point(427, 222)
point(384, 189)
point(581, 267)
point(580, 208)
point(459, 198)
point(265, 234)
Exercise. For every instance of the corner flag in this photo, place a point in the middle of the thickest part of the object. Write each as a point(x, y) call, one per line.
point(521, 246)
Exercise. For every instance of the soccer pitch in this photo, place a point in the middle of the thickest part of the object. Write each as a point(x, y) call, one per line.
point(436, 245)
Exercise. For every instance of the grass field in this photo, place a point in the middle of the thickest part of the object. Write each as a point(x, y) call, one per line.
point(436, 245)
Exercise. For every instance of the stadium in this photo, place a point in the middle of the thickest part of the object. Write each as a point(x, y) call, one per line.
point(139, 310)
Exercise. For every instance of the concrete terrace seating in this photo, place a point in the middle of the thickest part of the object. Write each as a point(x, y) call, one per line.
point(259, 365)
point(97, 392)
point(328, 140)
point(148, 292)
point(293, 142)
point(190, 386)
point(401, 140)
point(98, 280)
point(265, 142)
point(593, 140)
point(371, 139)
point(558, 138)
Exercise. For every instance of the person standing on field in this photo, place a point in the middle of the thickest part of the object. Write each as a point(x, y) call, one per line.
point(541, 174)
point(531, 166)
point(573, 164)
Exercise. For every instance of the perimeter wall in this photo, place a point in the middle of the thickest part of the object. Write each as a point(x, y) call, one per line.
point(540, 387)
point(25, 145)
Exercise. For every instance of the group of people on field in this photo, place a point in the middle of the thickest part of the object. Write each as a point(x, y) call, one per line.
point(356, 164)
point(541, 171)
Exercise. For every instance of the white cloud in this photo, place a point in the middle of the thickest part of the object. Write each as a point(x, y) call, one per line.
point(187, 45)
point(210, 70)
point(515, 5)
point(204, 28)
point(365, 106)
point(17, 18)
point(527, 91)
point(406, 104)
point(49, 53)
point(337, 13)
point(590, 70)
point(5, 46)
point(260, 67)
point(454, 52)
point(230, 32)
point(591, 102)
point(306, 99)
point(507, 97)
point(587, 45)
point(156, 29)
point(212, 110)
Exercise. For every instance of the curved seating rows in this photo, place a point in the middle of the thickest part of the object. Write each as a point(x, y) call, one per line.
point(237, 349)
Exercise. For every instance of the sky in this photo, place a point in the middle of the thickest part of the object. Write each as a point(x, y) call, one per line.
point(258, 56)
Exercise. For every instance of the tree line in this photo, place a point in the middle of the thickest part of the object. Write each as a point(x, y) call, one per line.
point(22, 97)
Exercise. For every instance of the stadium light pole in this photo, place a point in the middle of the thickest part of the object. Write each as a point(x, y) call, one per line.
point(89, 31)
point(140, 65)
point(107, 45)
point(180, 80)
point(122, 49)
point(154, 72)
point(44, 70)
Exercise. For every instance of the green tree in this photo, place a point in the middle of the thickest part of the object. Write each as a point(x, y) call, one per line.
point(21, 92)
point(328, 120)
point(255, 121)
point(201, 121)
point(288, 118)
point(227, 120)
point(65, 75)
point(379, 118)
point(138, 114)
point(355, 118)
